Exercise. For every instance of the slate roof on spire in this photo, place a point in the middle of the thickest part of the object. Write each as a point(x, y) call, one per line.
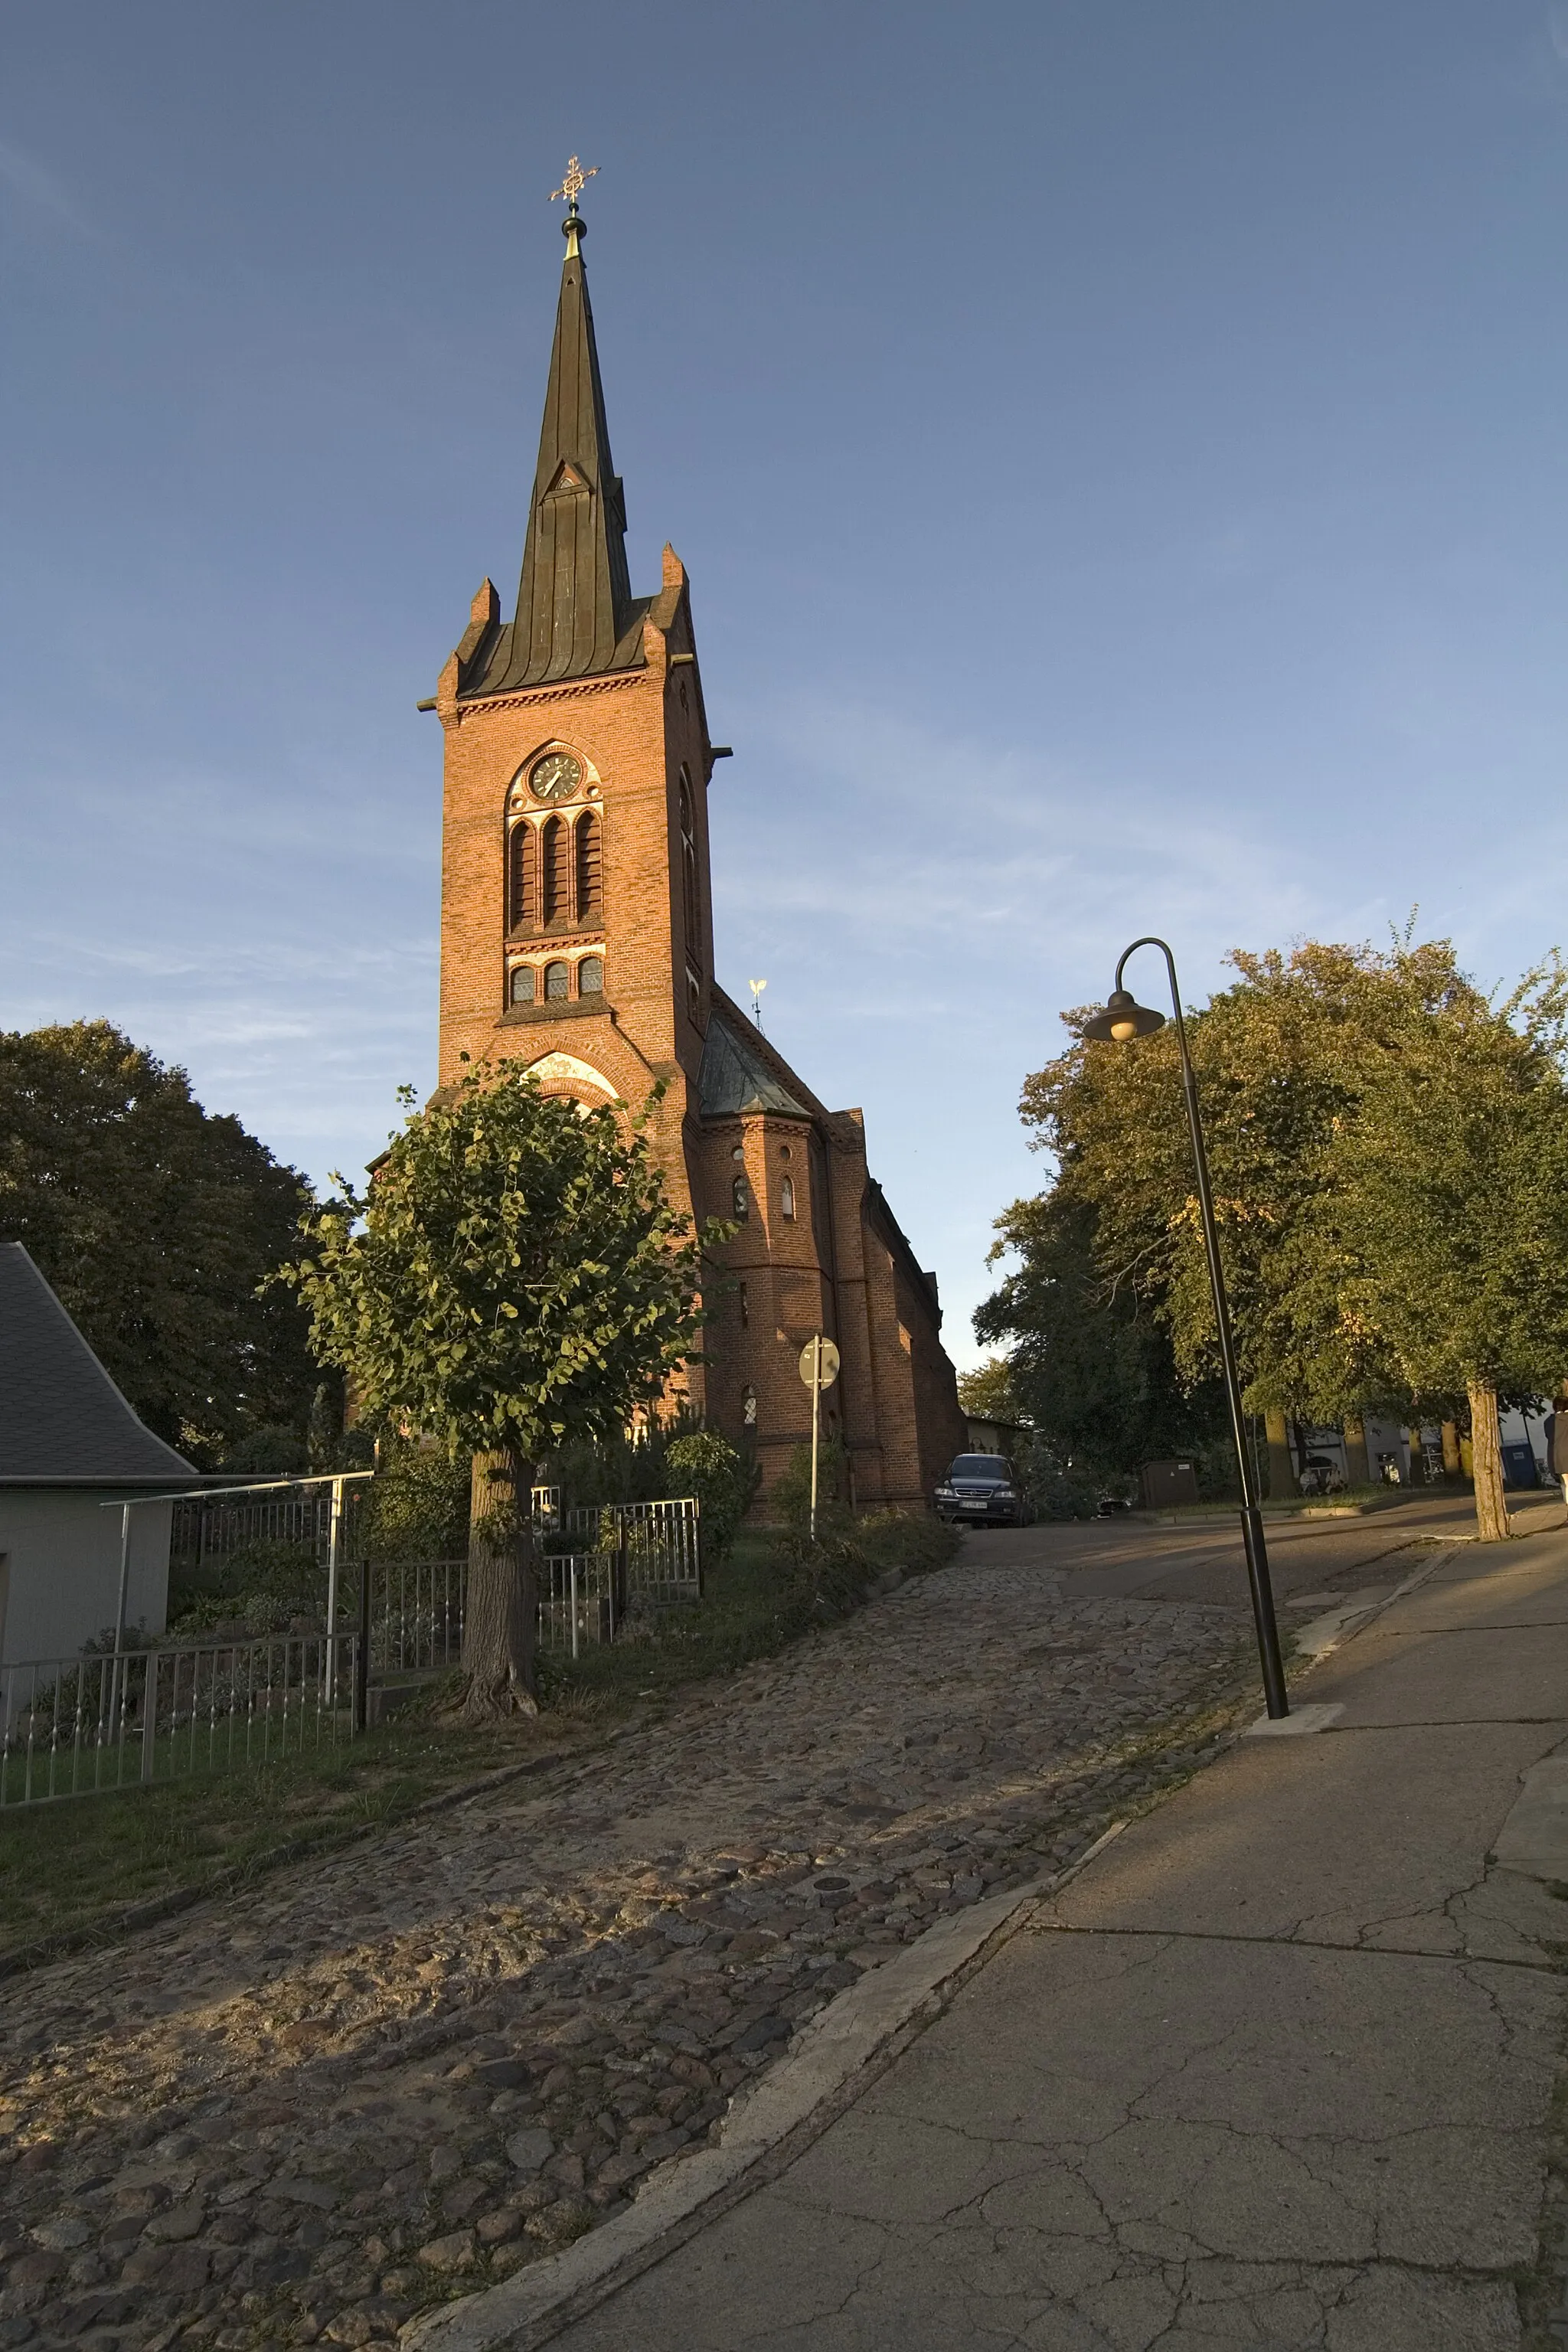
point(575, 613)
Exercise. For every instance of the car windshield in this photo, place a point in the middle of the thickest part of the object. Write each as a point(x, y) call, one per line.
point(980, 1465)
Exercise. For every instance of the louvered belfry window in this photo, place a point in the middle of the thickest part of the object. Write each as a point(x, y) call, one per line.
point(553, 844)
point(521, 895)
point(590, 886)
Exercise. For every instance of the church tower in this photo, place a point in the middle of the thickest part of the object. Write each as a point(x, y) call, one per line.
point(577, 939)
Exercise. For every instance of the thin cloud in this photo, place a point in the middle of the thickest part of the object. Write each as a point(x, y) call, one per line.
point(32, 186)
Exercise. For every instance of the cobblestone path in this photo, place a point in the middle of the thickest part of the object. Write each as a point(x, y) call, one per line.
point(390, 2076)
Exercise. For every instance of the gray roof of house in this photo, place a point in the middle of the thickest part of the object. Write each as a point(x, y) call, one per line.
point(734, 1077)
point(63, 1422)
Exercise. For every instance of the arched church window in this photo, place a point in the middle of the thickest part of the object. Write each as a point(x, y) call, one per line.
point(740, 1198)
point(589, 868)
point(554, 886)
point(524, 982)
point(787, 1196)
point(557, 981)
point(689, 864)
point(749, 1407)
point(521, 899)
point(591, 976)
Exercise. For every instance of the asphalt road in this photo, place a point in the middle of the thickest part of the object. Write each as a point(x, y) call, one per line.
point(1203, 1561)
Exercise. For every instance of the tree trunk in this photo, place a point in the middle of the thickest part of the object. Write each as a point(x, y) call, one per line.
point(1281, 1473)
point(1453, 1463)
point(1417, 1458)
point(1358, 1470)
point(500, 1621)
point(1486, 1446)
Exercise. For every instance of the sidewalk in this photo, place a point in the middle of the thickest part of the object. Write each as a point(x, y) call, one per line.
point(1273, 2071)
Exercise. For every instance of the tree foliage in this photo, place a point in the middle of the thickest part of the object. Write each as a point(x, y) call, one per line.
point(1387, 1152)
point(515, 1278)
point(986, 1392)
point(1091, 1363)
point(156, 1222)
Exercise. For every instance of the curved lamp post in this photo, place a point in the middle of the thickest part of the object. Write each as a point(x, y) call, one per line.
point(1123, 1019)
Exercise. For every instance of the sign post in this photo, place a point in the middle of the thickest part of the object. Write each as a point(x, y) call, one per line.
point(818, 1368)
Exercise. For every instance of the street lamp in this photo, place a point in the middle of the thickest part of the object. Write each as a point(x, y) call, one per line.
point(1123, 1019)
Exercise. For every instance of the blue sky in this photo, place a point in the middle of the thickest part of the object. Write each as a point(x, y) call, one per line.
point(1118, 448)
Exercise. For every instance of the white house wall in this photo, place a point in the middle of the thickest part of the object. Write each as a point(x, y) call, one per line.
point(59, 1569)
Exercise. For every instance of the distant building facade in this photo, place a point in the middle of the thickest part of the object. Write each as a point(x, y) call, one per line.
point(576, 940)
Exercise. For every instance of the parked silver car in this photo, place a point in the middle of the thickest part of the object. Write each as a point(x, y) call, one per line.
point(979, 1489)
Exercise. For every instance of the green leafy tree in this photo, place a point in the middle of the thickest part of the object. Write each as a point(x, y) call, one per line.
point(156, 1222)
point(1281, 1060)
point(986, 1392)
point(1308, 1070)
point(1449, 1215)
point(515, 1278)
point(1090, 1364)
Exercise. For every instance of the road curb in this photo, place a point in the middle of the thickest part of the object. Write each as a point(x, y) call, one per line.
point(832, 2061)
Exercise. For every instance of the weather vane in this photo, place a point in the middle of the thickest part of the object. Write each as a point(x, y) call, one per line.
point(573, 184)
point(757, 987)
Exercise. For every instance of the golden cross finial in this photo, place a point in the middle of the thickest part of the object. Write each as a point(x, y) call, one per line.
point(573, 184)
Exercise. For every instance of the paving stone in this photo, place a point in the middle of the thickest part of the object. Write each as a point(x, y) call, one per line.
point(452, 2252)
point(528, 2150)
point(573, 1971)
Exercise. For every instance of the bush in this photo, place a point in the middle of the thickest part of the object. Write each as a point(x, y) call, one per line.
point(621, 1469)
point(790, 1499)
point(417, 1507)
point(706, 1465)
point(263, 1586)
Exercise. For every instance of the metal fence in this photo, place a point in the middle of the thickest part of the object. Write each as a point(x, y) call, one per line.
point(583, 1598)
point(69, 1727)
point(212, 1526)
point(660, 1542)
point(415, 1615)
point(643, 1556)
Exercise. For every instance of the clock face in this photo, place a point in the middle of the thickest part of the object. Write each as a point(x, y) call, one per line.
point(555, 777)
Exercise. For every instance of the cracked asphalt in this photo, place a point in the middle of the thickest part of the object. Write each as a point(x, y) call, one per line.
point(1276, 2070)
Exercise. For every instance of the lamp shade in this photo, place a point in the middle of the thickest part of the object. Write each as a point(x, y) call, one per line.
point(1123, 1019)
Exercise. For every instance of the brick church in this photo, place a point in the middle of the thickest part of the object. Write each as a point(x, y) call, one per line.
point(577, 939)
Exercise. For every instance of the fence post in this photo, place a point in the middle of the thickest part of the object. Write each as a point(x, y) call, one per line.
point(117, 1697)
point(334, 1548)
point(573, 1595)
point(362, 1658)
point(150, 1716)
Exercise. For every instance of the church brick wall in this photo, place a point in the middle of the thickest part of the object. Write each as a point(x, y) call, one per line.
point(838, 1264)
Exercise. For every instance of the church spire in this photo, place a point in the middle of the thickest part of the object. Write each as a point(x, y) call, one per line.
point(574, 599)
